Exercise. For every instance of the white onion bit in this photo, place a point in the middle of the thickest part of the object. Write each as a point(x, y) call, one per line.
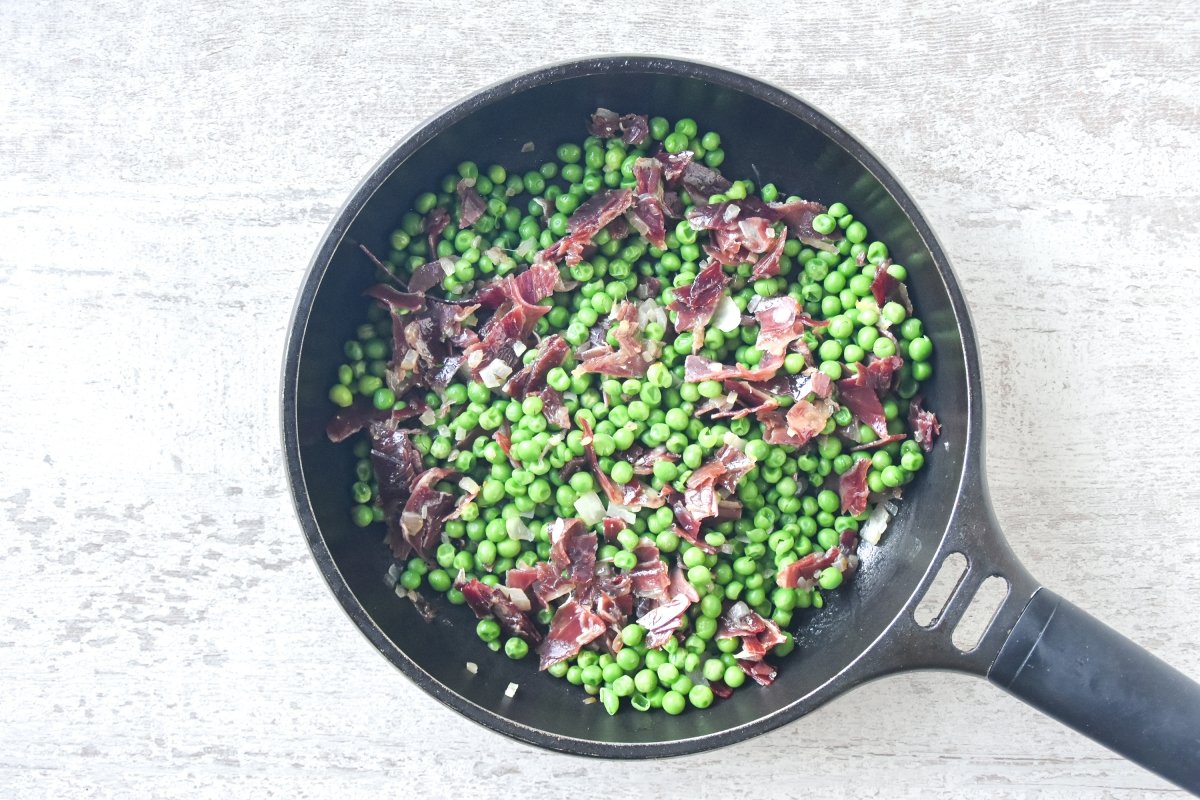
point(590, 509)
point(621, 512)
point(472, 667)
point(726, 317)
point(447, 264)
point(517, 529)
point(495, 373)
point(427, 417)
point(511, 691)
point(872, 530)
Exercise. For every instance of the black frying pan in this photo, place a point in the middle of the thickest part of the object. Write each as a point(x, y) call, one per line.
point(1037, 646)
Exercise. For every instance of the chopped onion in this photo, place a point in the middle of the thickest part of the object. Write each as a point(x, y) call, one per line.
point(525, 248)
point(474, 359)
point(494, 254)
point(427, 417)
point(726, 316)
point(472, 667)
point(731, 212)
point(589, 507)
point(650, 311)
point(409, 360)
point(820, 244)
point(468, 484)
point(733, 440)
point(411, 522)
point(511, 691)
point(447, 264)
point(519, 347)
point(495, 373)
point(738, 610)
point(872, 530)
point(621, 512)
point(517, 596)
point(527, 147)
point(517, 529)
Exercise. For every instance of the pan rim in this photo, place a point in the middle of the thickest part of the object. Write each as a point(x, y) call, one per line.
point(332, 239)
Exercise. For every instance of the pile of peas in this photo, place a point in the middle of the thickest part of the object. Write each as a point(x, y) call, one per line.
point(790, 503)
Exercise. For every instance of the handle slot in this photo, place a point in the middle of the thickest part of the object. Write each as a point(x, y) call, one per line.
point(937, 596)
point(977, 617)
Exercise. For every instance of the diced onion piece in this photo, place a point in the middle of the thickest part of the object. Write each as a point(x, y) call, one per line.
point(650, 311)
point(519, 347)
point(408, 360)
point(495, 373)
point(590, 509)
point(517, 596)
point(726, 316)
point(411, 522)
point(527, 147)
point(468, 484)
point(472, 667)
point(731, 212)
point(517, 529)
point(474, 359)
point(428, 417)
point(511, 691)
point(525, 248)
point(621, 512)
point(872, 530)
point(733, 440)
point(447, 264)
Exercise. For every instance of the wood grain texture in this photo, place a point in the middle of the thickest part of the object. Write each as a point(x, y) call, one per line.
point(165, 173)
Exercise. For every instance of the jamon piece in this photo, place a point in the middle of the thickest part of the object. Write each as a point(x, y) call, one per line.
point(885, 287)
point(425, 513)
point(573, 626)
point(394, 299)
point(780, 322)
point(763, 673)
point(757, 633)
point(803, 573)
point(647, 215)
point(642, 459)
point(701, 182)
point(768, 265)
point(649, 578)
point(852, 487)
point(470, 205)
point(515, 315)
point(674, 166)
point(629, 360)
point(573, 548)
point(858, 394)
point(695, 303)
point(396, 462)
point(348, 421)
point(488, 602)
point(585, 223)
point(664, 620)
point(435, 222)
point(634, 495)
point(633, 128)
point(924, 424)
point(700, 500)
point(551, 353)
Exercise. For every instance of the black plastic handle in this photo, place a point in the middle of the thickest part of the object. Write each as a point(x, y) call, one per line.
point(1081, 672)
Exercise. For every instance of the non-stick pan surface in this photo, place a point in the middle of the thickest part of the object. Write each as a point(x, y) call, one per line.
point(864, 631)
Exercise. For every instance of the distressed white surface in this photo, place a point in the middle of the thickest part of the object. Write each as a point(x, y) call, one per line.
point(165, 173)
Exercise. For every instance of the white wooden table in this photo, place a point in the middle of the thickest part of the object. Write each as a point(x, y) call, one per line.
point(165, 173)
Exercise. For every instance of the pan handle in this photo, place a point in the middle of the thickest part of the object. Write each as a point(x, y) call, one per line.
point(1049, 653)
point(1081, 672)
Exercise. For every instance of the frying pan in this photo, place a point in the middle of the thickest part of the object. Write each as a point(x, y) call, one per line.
point(1037, 646)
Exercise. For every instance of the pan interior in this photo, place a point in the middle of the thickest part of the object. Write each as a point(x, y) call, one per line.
point(768, 136)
